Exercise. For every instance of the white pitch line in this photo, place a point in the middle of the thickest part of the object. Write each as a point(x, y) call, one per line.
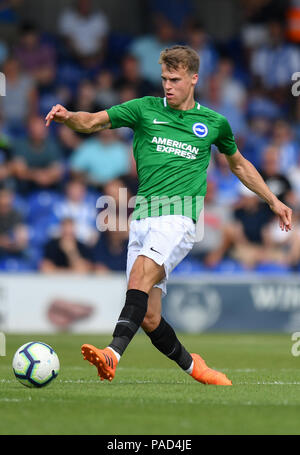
point(79, 381)
point(97, 381)
point(14, 400)
point(255, 370)
point(241, 370)
point(276, 383)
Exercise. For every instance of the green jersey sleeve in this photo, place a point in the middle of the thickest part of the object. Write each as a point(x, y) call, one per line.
point(225, 140)
point(125, 114)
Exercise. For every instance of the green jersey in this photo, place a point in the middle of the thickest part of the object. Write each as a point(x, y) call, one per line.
point(172, 151)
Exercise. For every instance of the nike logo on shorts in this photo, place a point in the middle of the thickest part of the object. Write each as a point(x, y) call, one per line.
point(155, 251)
point(157, 122)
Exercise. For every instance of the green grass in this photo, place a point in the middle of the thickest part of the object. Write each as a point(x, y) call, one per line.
point(151, 395)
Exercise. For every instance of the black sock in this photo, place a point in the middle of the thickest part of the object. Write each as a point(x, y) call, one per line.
point(165, 340)
point(130, 319)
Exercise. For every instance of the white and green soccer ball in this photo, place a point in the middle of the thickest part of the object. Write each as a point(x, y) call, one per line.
point(35, 364)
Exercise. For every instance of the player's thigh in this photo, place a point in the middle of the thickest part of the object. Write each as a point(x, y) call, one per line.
point(145, 272)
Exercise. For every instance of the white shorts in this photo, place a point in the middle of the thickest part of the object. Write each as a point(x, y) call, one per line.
point(166, 239)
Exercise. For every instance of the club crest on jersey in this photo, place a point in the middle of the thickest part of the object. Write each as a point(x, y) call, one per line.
point(200, 129)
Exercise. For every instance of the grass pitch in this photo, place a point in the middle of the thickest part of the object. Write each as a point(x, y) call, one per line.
point(151, 395)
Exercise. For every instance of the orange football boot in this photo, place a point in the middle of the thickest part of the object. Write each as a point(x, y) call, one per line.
point(104, 359)
point(202, 373)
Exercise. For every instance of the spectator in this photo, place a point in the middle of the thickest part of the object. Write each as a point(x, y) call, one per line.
point(8, 11)
point(69, 139)
point(147, 49)
point(227, 184)
point(5, 157)
point(110, 253)
point(197, 38)
point(121, 193)
point(78, 206)
point(279, 248)
point(261, 113)
point(101, 158)
point(85, 98)
point(106, 95)
point(36, 58)
point(254, 31)
point(3, 51)
point(275, 62)
point(20, 100)
point(9, 18)
point(271, 172)
point(214, 100)
point(84, 30)
point(294, 173)
point(216, 216)
point(283, 139)
point(293, 21)
point(131, 76)
point(37, 162)
point(179, 15)
point(232, 90)
point(242, 239)
point(66, 254)
point(127, 93)
point(13, 232)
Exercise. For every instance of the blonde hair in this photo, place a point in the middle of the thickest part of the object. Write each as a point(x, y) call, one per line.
point(180, 56)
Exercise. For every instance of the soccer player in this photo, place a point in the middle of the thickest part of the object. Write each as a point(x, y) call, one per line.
point(172, 141)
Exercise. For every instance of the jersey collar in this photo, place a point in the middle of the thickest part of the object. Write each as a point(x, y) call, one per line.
point(195, 108)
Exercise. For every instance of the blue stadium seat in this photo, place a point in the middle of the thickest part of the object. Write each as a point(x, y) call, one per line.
point(40, 232)
point(40, 205)
point(35, 255)
point(272, 268)
point(20, 204)
point(15, 265)
point(188, 266)
point(228, 266)
point(41, 216)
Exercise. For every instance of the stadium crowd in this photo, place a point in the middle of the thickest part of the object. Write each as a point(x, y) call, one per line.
point(51, 178)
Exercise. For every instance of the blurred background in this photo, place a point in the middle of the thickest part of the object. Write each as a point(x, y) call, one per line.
point(89, 55)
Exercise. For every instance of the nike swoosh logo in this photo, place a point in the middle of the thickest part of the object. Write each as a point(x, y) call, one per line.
point(152, 249)
point(156, 122)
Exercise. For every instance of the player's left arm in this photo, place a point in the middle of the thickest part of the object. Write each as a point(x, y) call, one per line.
point(252, 179)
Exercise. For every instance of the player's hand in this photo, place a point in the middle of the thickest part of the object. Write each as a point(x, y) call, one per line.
point(58, 113)
point(284, 213)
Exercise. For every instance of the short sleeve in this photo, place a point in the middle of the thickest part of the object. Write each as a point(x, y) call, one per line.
point(125, 114)
point(225, 140)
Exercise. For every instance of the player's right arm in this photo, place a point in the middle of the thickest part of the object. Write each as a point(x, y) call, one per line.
point(83, 122)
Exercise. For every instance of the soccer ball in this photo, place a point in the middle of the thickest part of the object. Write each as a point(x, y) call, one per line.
point(35, 364)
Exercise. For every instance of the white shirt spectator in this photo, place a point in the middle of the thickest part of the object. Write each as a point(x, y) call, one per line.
point(83, 214)
point(275, 65)
point(86, 32)
point(15, 104)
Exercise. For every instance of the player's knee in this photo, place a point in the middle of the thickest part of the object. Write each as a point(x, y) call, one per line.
point(151, 321)
point(138, 280)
